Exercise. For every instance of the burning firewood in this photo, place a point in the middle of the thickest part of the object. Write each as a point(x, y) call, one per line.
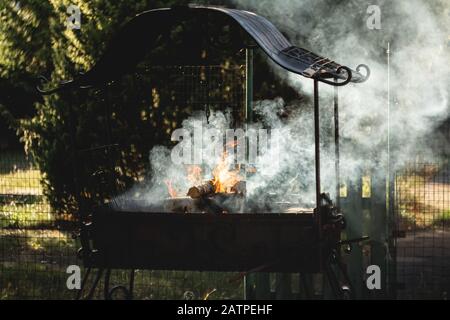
point(239, 188)
point(201, 190)
point(208, 189)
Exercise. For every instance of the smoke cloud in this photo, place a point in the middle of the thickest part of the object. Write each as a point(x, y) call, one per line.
point(419, 82)
point(417, 32)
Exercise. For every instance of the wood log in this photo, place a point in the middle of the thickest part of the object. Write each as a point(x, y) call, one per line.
point(239, 188)
point(201, 190)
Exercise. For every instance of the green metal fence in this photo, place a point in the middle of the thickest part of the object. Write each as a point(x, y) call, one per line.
point(422, 213)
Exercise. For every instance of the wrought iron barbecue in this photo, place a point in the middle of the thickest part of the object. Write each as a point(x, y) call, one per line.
point(305, 242)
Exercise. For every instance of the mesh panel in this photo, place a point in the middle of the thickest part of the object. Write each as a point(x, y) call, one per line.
point(36, 243)
point(422, 211)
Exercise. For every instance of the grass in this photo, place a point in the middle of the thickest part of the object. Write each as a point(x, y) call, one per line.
point(22, 204)
point(17, 215)
point(444, 218)
point(33, 265)
point(21, 200)
point(21, 182)
point(33, 281)
point(47, 282)
point(18, 176)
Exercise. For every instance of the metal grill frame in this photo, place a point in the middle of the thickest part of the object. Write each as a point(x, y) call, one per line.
point(324, 223)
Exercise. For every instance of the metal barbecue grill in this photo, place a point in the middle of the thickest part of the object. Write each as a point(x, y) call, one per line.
point(305, 241)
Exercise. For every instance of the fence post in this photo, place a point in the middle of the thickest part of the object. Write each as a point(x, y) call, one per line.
point(378, 223)
point(352, 208)
point(258, 285)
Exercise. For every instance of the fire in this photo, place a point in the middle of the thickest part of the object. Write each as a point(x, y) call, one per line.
point(194, 175)
point(224, 178)
point(171, 189)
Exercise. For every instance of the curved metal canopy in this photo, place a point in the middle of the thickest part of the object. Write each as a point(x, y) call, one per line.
point(138, 36)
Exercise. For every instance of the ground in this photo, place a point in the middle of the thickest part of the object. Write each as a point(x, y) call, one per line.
point(423, 264)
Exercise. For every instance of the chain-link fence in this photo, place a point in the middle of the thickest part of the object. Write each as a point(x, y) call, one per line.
point(34, 247)
point(422, 211)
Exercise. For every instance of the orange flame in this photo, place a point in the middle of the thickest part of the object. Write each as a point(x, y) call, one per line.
point(170, 188)
point(224, 178)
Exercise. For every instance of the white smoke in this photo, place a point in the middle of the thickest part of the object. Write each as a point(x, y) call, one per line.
point(165, 173)
point(419, 72)
point(419, 89)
